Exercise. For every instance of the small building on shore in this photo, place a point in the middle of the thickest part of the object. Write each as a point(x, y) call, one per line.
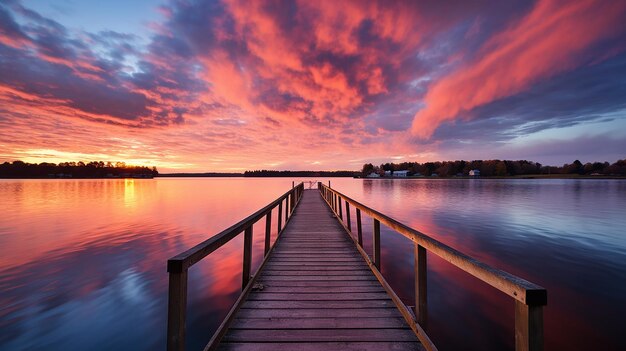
point(373, 175)
point(474, 173)
point(400, 174)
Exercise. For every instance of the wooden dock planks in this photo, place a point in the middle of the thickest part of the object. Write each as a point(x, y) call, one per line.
point(317, 293)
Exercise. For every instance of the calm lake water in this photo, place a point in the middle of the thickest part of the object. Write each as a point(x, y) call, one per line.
point(83, 262)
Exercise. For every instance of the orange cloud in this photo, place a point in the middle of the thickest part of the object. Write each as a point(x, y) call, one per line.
point(551, 39)
point(322, 62)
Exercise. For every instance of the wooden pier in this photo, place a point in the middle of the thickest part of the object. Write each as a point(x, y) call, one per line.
point(317, 289)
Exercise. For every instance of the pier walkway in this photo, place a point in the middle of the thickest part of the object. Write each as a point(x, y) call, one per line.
point(318, 289)
point(317, 293)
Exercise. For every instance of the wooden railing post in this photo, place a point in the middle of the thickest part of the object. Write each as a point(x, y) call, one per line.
point(376, 244)
point(247, 257)
point(292, 201)
point(421, 306)
point(280, 216)
point(348, 217)
point(340, 208)
point(176, 311)
point(268, 232)
point(528, 327)
point(359, 229)
point(286, 208)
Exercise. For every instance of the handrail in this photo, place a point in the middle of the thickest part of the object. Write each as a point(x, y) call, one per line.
point(178, 265)
point(530, 297)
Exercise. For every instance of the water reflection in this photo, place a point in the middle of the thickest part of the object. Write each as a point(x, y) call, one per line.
point(129, 192)
point(82, 262)
point(565, 235)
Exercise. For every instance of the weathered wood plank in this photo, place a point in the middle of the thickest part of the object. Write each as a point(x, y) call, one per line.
point(348, 268)
point(317, 335)
point(337, 346)
point(311, 253)
point(316, 278)
point(321, 289)
point(317, 304)
point(320, 323)
point(320, 313)
point(325, 273)
point(319, 283)
point(315, 259)
point(320, 264)
point(284, 242)
point(353, 296)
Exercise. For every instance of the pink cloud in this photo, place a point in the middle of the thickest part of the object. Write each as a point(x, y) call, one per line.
point(553, 38)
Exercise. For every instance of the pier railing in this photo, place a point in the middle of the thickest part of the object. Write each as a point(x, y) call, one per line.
point(529, 298)
point(178, 265)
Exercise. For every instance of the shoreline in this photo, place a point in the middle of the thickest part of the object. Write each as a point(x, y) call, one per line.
point(526, 176)
point(538, 176)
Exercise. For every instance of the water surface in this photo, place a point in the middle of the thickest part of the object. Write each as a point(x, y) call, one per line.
point(82, 262)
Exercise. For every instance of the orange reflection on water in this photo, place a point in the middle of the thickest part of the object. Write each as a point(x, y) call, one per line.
point(98, 248)
point(129, 192)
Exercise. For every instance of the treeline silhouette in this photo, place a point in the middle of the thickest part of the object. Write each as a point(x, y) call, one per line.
point(268, 173)
point(96, 169)
point(500, 168)
point(206, 174)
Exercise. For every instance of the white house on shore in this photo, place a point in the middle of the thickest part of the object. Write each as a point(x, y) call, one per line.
point(373, 175)
point(400, 173)
point(474, 173)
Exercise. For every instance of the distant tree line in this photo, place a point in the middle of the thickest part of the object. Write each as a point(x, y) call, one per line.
point(206, 174)
point(268, 173)
point(96, 169)
point(502, 168)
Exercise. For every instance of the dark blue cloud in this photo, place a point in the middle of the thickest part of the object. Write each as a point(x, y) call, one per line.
point(8, 25)
point(584, 95)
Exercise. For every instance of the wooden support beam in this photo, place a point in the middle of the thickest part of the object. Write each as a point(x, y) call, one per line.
point(176, 311)
point(376, 244)
point(340, 208)
point(359, 228)
point(421, 306)
point(280, 216)
point(247, 257)
point(348, 217)
point(268, 232)
point(528, 327)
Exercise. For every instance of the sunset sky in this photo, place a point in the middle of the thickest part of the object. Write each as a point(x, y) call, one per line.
point(313, 85)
